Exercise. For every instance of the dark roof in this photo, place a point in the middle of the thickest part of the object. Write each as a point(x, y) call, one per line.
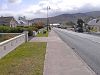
point(5, 20)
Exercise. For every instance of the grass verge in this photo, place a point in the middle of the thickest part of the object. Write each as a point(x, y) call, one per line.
point(42, 35)
point(27, 59)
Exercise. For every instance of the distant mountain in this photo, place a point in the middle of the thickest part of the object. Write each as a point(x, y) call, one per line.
point(70, 17)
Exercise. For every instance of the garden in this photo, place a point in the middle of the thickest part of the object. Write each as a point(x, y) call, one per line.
point(18, 29)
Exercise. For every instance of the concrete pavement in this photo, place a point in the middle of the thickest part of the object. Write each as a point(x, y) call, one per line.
point(60, 59)
point(39, 39)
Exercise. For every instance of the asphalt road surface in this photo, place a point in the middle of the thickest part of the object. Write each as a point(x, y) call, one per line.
point(88, 50)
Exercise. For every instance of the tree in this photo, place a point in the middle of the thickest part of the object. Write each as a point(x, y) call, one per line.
point(39, 25)
point(80, 25)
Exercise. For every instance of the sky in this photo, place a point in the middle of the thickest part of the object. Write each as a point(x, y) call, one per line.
point(38, 8)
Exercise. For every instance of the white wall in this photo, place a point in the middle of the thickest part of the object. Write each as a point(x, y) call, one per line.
point(9, 45)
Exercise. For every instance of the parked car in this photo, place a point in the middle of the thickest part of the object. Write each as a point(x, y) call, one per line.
point(79, 29)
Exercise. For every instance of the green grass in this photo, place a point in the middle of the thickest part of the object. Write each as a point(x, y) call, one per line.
point(27, 59)
point(42, 35)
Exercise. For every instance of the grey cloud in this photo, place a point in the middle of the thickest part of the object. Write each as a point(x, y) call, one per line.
point(83, 9)
point(14, 1)
point(11, 1)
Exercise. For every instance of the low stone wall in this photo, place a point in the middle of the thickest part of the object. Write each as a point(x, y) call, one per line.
point(9, 45)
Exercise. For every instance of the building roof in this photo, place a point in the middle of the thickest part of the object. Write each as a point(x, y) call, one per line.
point(22, 21)
point(94, 22)
point(5, 20)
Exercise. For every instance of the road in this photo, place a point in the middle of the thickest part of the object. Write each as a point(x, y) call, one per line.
point(86, 48)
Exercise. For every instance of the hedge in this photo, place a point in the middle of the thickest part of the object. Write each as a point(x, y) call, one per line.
point(30, 29)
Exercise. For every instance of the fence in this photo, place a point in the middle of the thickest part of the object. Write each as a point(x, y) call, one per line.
point(9, 45)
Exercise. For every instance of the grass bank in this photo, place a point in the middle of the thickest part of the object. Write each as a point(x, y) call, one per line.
point(27, 59)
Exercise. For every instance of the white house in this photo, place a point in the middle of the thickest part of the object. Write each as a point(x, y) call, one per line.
point(22, 21)
point(94, 24)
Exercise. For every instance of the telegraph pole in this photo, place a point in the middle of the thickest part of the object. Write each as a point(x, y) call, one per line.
point(48, 8)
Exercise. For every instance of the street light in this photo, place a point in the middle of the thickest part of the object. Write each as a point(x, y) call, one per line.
point(48, 8)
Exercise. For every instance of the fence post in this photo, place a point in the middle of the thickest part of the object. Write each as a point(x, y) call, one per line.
point(26, 36)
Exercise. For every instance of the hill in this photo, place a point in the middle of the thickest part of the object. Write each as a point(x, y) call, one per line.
point(70, 17)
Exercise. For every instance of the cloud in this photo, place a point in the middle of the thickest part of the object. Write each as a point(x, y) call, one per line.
point(15, 1)
point(57, 7)
point(71, 5)
point(7, 13)
point(4, 7)
point(62, 6)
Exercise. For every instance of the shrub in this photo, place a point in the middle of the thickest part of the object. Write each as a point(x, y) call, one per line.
point(16, 30)
point(30, 31)
point(44, 31)
point(4, 29)
point(35, 29)
point(39, 25)
point(19, 29)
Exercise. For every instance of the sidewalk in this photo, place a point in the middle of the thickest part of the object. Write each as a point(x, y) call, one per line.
point(60, 59)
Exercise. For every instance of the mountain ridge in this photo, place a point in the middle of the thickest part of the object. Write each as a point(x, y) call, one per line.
point(70, 17)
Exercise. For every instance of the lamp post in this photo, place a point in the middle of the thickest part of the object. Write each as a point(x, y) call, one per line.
point(48, 8)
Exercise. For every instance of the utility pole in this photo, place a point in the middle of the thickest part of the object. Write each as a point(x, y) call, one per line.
point(48, 8)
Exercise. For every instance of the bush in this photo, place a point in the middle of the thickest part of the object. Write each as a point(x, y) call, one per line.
point(4, 29)
point(19, 29)
point(16, 30)
point(30, 31)
point(44, 31)
point(35, 29)
point(39, 25)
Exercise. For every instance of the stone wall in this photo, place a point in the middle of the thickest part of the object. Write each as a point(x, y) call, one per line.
point(9, 45)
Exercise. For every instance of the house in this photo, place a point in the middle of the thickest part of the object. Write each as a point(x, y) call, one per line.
point(22, 21)
point(30, 22)
point(94, 25)
point(8, 21)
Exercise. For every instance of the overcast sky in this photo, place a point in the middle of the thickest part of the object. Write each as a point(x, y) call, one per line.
point(37, 8)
